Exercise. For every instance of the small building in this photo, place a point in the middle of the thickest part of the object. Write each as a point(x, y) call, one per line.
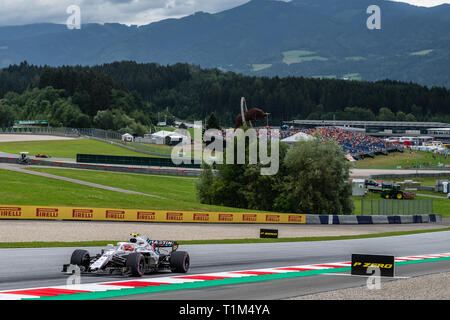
point(127, 137)
point(358, 187)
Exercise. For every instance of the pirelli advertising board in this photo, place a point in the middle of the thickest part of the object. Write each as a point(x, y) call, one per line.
point(99, 214)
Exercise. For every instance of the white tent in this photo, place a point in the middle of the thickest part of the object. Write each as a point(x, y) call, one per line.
point(162, 135)
point(297, 137)
point(127, 137)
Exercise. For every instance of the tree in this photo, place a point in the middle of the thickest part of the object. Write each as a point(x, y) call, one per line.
point(410, 118)
point(385, 114)
point(7, 115)
point(104, 120)
point(317, 180)
point(141, 90)
point(401, 116)
point(312, 178)
point(205, 185)
point(212, 122)
point(357, 113)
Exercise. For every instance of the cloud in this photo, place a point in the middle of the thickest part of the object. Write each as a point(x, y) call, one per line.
point(138, 12)
point(424, 3)
point(17, 12)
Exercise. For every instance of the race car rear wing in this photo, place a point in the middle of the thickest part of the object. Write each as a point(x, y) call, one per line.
point(164, 244)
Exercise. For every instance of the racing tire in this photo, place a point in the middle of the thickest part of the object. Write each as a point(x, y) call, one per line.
point(179, 262)
point(136, 264)
point(80, 258)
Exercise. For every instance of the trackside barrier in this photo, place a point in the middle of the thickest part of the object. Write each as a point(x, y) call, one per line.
point(104, 214)
point(112, 168)
point(132, 161)
point(399, 219)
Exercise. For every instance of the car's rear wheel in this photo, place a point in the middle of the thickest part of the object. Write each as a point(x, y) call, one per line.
point(136, 264)
point(179, 261)
point(80, 258)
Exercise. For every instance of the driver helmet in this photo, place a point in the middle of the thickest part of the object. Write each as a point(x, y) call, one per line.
point(133, 237)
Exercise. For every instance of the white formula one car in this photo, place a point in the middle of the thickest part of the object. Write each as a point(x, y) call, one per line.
point(137, 257)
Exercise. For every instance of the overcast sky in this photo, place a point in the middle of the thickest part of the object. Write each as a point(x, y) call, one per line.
point(138, 12)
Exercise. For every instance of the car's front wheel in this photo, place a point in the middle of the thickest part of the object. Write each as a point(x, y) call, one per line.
point(136, 264)
point(80, 258)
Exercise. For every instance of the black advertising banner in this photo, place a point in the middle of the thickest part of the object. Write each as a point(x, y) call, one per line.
point(364, 265)
point(268, 233)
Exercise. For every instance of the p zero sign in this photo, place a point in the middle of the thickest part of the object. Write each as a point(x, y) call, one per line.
point(364, 264)
point(268, 233)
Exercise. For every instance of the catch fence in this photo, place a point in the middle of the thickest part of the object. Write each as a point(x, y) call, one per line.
point(396, 207)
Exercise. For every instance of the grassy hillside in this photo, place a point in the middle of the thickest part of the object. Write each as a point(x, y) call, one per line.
point(66, 148)
point(175, 188)
point(26, 189)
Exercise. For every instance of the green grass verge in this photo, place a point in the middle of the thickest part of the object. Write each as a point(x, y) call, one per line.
point(175, 188)
point(183, 191)
point(27, 189)
point(405, 160)
point(66, 148)
point(101, 243)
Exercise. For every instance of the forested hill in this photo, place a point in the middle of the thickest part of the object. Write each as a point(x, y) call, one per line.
point(127, 94)
point(310, 38)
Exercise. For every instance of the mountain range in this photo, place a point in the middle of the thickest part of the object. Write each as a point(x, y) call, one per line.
point(308, 38)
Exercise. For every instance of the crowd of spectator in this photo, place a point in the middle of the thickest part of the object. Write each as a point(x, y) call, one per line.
point(351, 142)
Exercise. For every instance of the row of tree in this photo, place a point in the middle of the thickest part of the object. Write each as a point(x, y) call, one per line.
point(362, 114)
point(141, 91)
point(61, 111)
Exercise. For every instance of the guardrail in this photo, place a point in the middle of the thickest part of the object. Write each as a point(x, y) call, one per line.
point(63, 131)
point(186, 172)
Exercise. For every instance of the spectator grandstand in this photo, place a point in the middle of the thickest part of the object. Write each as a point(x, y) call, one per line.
point(356, 144)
